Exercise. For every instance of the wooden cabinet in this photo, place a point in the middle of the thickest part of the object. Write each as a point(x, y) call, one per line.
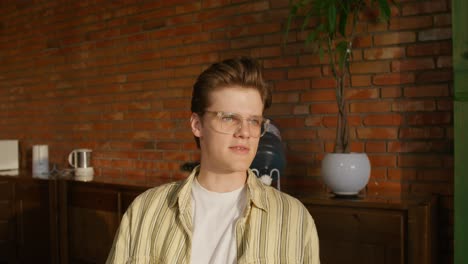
point(61, 221)
point(89, 218)
point(7, 248)
point(24, 221)
point(374, 230)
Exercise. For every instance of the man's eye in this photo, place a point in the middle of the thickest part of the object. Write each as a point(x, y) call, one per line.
point(227, 118)
point(255, 122)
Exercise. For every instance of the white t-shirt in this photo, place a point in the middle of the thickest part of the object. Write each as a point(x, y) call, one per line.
point(214, 224)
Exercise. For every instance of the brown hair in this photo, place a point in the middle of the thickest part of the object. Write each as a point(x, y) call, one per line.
point(244, 72)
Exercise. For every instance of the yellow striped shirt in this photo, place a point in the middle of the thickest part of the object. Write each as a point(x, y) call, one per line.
point(157, 227)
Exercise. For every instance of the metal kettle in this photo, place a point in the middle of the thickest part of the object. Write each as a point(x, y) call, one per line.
point(80, 158)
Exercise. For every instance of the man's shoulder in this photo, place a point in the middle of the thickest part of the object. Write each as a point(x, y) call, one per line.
point(160, 194)
point(287, 206)
point(282, 197)
point(157, 190)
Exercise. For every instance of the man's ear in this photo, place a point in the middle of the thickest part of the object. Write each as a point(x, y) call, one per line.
point(196, 125)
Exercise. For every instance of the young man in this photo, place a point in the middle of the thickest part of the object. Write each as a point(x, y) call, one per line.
point(221, 213)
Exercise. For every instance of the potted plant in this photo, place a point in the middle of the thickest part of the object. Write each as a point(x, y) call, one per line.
point(331, 27)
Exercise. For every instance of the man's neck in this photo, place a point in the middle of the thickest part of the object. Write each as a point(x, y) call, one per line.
point(221, 182)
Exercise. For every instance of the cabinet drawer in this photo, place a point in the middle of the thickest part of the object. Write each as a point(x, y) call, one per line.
point(5, 190)
point(362, 235)
point(7, 252)
point(4, 231)
point(5, 210)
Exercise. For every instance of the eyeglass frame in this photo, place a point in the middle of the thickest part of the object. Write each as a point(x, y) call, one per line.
point(265, 122)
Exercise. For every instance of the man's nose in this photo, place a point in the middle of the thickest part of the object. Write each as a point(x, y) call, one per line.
point(243, 130)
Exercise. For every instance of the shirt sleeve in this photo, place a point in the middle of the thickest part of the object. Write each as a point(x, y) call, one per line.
point(119, 252)
point(311, 250)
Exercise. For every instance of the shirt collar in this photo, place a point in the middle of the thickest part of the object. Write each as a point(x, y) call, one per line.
point(182, 195)
point(256, 191)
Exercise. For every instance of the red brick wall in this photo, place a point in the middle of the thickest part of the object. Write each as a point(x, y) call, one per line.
point(116, 76)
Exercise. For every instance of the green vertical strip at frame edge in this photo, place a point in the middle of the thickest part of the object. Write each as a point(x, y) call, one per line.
point(460, 68)
point(461, 85)
point(461, 182)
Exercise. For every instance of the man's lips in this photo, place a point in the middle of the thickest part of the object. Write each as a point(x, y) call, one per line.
point(239, 148)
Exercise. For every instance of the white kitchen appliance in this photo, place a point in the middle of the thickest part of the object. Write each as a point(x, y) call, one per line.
point(40, 161)
point(9, 157)
point(80, 160)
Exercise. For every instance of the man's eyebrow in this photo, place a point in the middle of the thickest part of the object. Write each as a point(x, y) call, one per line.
point(238, 114)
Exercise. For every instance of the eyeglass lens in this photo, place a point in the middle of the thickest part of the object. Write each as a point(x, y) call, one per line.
point(230, 123)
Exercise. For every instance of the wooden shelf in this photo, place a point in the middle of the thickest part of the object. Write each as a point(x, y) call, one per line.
point(64, 221)
point(374, 229)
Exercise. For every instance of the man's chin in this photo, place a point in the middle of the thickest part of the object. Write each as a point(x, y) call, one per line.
point(238, 167)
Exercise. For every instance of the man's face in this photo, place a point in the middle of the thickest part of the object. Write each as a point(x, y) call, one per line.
point(228, 153)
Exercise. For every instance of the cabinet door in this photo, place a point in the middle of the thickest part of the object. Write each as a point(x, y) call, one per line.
point(92, 221)
point(7, 225)
point(89, 218)
point(350, 235)
point(32, 221)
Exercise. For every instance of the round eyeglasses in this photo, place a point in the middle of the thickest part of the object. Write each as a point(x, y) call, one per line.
point(230, 123)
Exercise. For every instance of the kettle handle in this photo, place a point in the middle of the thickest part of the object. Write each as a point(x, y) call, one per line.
point(72, 159)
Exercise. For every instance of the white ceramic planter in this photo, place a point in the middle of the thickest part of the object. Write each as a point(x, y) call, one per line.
point(346, 173)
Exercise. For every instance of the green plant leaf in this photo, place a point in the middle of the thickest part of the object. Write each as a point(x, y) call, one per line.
point(341, 50)
point(311, 37)
point(306, 21)
point(319, 7)
point(305, 2)
point(343, 21)
point(332, 17)
point(292, 14)
point(320, 28)
point(321, 53)
point(384, 10)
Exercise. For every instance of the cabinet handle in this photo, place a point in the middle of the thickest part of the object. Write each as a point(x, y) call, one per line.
point(356, 216)
point(21, 223)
